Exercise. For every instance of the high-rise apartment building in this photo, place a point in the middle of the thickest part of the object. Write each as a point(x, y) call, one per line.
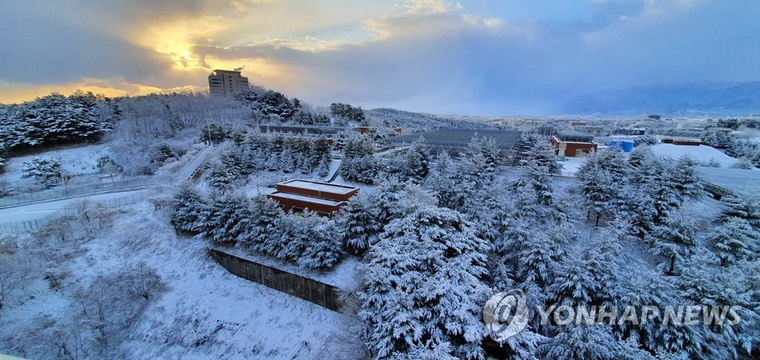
point(227, 82)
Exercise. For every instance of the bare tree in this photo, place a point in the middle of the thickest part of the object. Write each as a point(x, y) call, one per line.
point(14, 274)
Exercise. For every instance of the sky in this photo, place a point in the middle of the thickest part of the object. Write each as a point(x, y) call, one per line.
point(447, 57)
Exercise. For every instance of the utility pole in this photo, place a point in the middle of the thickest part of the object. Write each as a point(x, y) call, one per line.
point(63, 177)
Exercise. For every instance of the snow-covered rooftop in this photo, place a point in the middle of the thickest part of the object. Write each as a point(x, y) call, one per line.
point(310, 199)
point(322, 187)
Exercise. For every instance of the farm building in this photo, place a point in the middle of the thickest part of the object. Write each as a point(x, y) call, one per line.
point(315, 196)
point(573, 145)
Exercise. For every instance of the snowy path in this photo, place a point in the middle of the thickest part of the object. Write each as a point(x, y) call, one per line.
point(333, 172)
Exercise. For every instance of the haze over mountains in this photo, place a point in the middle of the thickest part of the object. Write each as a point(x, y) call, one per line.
point(720, 98)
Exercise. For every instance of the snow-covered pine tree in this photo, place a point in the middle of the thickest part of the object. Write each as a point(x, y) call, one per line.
point(542, 153)
point(590, 276)
point(456, 183)
point(600, 188)
point(442, 179)
point(231, 218)
point(233, 160)
point(362, 169)
point(589, 342)
point(417, 160)
point(735, 239)
point(641, 156)
point(323, 166)
point(654, 178)
point(538, 259)
point(704, 281)
point(45, 171)
point(187, 210)
point(322, 246)
point(743, 206)
point(422, 286)
point(219, 177)
point(359, 223)
point(674, 240)
point(487, 149)
point(390, 199)
point(488, 208)
point(534, 195)
point(263, 231)
point(685, 177)
point(288, 160)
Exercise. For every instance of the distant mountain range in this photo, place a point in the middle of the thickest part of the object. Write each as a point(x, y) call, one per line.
point(703, 98)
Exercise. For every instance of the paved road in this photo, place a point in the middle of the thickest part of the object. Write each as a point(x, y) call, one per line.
point(17, 215)
point(87, 190)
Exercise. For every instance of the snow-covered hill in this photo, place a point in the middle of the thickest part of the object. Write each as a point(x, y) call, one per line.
point(204, 312)
point(702, 153)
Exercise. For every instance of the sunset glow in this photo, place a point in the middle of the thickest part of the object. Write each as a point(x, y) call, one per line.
point(446, 56)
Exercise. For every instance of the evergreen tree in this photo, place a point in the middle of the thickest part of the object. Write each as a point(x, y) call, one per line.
point(589, 277)
point(322, 246)
point(735, 239)
point(323, 167)
point(589, 342)
point(360, 224)
point(417, 160)
point(486, 149)
point(542, 155)
point(263, 230)
point(187, 210)
point(45, 171)
point(674, 240)
point(229, 219)
point(742, 206)
point(220, 178)
point(422, 286)
point(686, 180)
point(442, 180)
point(599, 188)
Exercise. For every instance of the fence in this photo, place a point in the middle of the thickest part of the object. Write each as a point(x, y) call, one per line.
point(181, 175)
point(19, 227)
point(32, 225)
point(86, 189)
point(307, 289)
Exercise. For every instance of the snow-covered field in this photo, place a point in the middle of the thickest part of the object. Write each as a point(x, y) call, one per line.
point(204, 312)
point(700, 153)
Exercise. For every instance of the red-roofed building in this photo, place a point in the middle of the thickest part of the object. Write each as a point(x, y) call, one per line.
point(314, 196)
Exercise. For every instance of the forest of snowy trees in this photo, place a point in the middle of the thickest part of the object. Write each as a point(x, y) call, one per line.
point(435, 246)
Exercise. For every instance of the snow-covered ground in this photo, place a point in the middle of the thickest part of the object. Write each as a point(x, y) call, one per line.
point(333, 168)
point(571, 165)
point(702, 153)
point(43, 210)
point(739, 180)
point(76, 161)
point(204, 313)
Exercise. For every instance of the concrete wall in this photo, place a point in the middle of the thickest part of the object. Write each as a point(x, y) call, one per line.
point(307, 289)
